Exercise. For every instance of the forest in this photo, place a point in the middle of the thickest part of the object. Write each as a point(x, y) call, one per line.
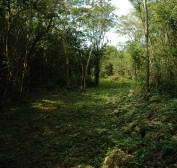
point(70, 99)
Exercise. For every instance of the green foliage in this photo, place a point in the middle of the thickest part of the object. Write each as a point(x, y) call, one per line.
point(116, 60)
point(49, 42)
point(162, 40)
point(136, 51)
point(45, 45)
point(60, 128)
point(64, 129)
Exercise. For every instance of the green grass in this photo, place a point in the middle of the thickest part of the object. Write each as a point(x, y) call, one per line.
point(69, 128)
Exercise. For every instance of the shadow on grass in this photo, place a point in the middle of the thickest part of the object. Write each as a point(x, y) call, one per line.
point(62, 129)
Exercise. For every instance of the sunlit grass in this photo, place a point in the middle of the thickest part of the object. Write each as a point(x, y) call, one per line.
point(47, 104)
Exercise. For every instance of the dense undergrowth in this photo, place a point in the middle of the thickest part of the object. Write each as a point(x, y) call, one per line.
point(102, 127)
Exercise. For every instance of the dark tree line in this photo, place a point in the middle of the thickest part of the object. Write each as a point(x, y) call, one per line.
point(45, 43)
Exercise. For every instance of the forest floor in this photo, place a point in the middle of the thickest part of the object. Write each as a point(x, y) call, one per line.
point(64, 129)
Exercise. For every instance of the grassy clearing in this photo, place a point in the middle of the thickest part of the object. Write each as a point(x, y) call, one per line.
point(65, 129)
point(61, 128)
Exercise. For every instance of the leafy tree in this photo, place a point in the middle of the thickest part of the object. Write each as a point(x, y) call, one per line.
point(54, 41)
point(94, 18)
point(161, 38)
point(25, 24)
point(116, 63)
point(136, 51)
point(130, 27)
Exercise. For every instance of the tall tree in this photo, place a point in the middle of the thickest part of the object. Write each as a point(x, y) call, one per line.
point(146, 43)
point(94, 18)
point(103, 19)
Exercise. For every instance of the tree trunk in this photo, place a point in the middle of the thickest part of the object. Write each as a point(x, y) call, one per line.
point(97, 71)
point(147, 44)
point(25, 65)
point(86, 70)
point(65, 47)
point(6, 52)
point(135, 71)
point(82, 79)
point(83, 72)
point(67, 62)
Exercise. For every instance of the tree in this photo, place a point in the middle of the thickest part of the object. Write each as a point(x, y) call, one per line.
point(25, 24)
point(136, 51)
point(116, 63)
point(146, 43)
point(130, 27)
point(103, 19)
point(51, 42)
point(94, 18)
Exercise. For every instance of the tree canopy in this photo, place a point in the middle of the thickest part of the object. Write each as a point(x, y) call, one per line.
point(51, 42)
point(70, 99)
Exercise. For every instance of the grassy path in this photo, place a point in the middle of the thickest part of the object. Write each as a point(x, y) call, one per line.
point(62, 128)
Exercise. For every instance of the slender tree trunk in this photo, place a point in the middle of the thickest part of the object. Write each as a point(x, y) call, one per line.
point(6, 51)
point(135, 71)
point(82, 78)
point(25, 65)
point(147, 43)
point(67, 62)
point(86, 69)
point(65, 48)
point(97, 71)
